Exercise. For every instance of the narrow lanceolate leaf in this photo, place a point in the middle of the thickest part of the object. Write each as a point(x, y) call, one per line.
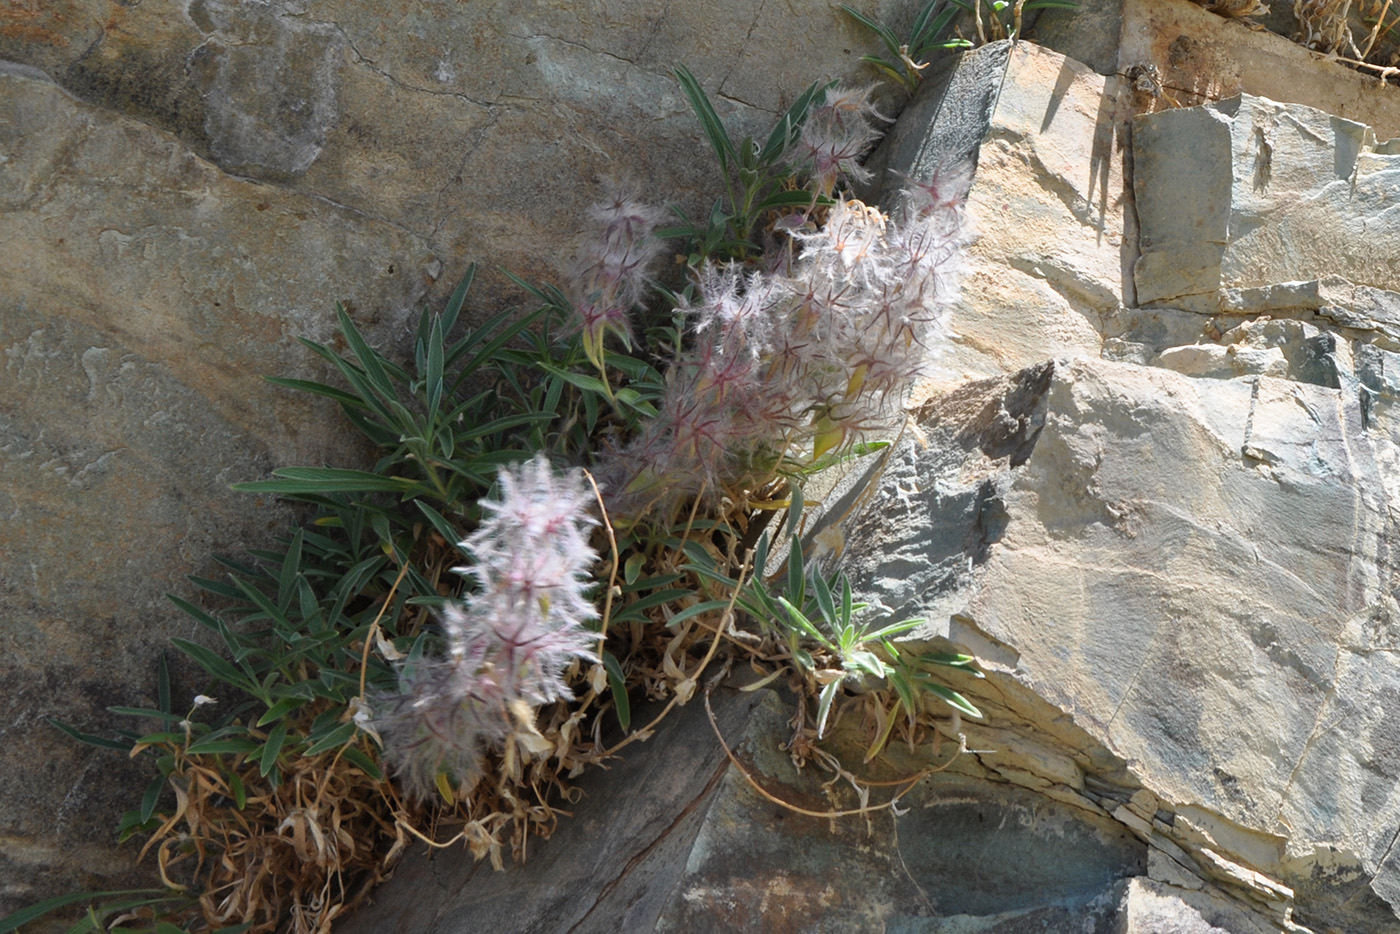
point(364, 763)
point(295, 480)
point(886, 34)
point(13, 922)
point(290, 571)
point(331, 739)
point(369, 358)
point(90, 739)
point(214, 663)
point(280, 709)
point(617, 683)
point(163, 684)
point(458, 299)
point(434, 374)
point(195, 611)
point(951, 697)
point(152, 797)
point(709, 120)
point(320, 389)
point(272, 748)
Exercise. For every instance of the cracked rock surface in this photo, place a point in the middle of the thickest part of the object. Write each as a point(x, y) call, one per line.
point(188, 187)
point(1156, 497)
point(1167, 532)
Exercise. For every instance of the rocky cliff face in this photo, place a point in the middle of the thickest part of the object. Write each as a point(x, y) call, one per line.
point(1153, 490)
point(185, 189)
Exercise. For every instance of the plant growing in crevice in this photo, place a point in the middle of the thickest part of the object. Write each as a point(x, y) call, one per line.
point(928, 35)
point(441, 642)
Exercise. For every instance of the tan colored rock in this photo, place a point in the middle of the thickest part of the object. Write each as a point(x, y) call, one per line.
point(1201, 57)
point(145, 294)
point(1053, 248)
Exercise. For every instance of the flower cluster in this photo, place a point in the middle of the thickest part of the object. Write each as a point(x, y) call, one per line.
point(792, 364)
point(609, 273)
point(835, 135)
point(510, 644)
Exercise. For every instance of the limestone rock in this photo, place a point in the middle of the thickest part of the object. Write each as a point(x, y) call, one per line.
point(1198, 573)
point(1054, 243)
point(1239, 197)
point(145, 294)
point(1185, 55)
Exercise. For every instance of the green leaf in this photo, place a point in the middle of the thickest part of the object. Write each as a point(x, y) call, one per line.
point(320, 389)
point(637, 610)
point(617, 683)
point(280, 709)
point(163, 684)
point(364, 763)
point(489, 350)
point(291, 569)
point(213, 663)
point(326, 480)
point(652, 583)
point(459, 298)
point(143, 712)
point(152, 797)
point(193, 610)
point(579, 380)
point(825, 603)
point(709, 120)
point(799, 622)
point(868, 662)
point(797, 198)
point(509, 421)
point(240, 794)
point(951, 697)
point(13, 922)
point(338, 736)
point(439, 522)
point(886, 34)
point(928, 30)
point(789, 126)
point(369, 358)
point(272, 748)
point(222, 743)
point(269, 609)
point(708, 606)
point(797, 577)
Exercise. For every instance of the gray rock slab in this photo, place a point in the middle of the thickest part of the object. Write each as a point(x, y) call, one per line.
point(678, 840)
point(145, 295)
point(1198, 572)
point(1240, 199)
point(483, 128)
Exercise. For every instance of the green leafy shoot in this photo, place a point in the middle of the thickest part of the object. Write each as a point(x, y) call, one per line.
point(757, 179)
point(927, 36)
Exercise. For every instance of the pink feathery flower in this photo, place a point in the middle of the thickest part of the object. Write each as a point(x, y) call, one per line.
point(836, 133)
point(512, 642)
point(609, 273)
point(792, 364)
